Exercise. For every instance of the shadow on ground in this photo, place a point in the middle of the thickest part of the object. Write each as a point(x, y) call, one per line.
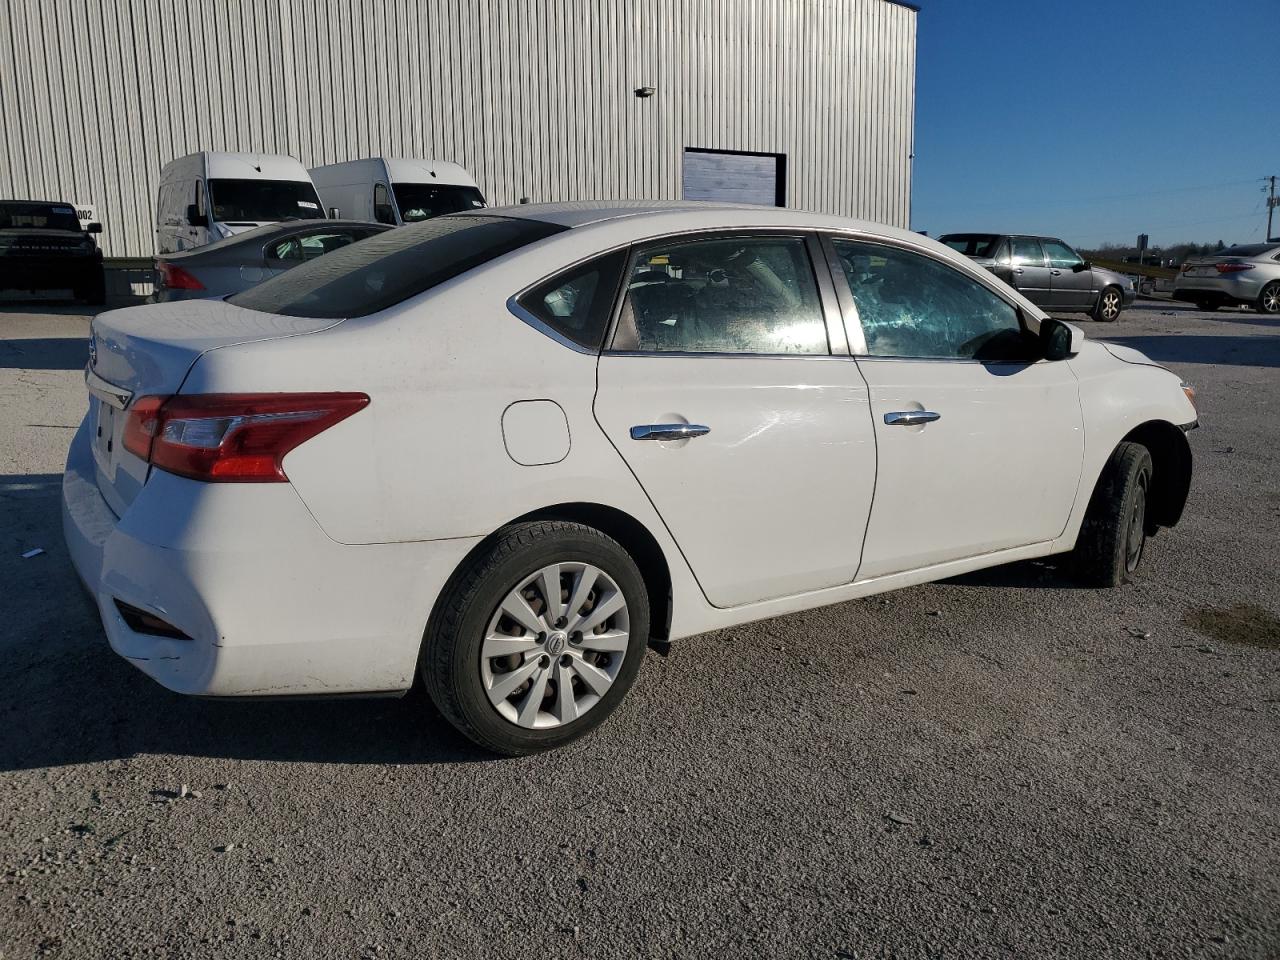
point(44, 353)
point(1232, 351)
point(66, 698)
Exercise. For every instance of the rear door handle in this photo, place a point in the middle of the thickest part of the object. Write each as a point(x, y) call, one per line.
point(911, 418)
point(1017, 269)
point(668, 431)
point(1055, 273)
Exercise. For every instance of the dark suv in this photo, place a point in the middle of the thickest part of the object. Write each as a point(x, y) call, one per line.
point(1048, 273)
point(43, 248)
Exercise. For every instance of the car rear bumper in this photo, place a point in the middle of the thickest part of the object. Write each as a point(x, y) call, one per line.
point(266, 603)
point(1229, 288)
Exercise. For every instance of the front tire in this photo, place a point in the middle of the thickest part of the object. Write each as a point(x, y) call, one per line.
point(1110, 303)
point(1114, 533)
point(1207, 306)
point(1269, 299)
point(536, 639)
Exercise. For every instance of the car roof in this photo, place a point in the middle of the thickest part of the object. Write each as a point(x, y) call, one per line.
point(680, 215)
point(265, 233)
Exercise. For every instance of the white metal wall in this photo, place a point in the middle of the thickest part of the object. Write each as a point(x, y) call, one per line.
point(535, 97)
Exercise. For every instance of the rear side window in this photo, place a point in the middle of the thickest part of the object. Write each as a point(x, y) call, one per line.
point(382, 271)
point(576, 304)
point(1027, 252)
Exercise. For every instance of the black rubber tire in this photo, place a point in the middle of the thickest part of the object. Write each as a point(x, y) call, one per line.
point(1096, 312)
point(94, 290)
point(1105, 552)
point(449, 661)
point(1270, 294)
point(1206, 306)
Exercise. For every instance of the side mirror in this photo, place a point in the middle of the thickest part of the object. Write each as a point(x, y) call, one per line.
point(1060, 340)
point(1081, 267)
point(93, 228)
point(335, 213)
point(195, 217)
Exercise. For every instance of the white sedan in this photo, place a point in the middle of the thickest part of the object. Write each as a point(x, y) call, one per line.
point(504, 451)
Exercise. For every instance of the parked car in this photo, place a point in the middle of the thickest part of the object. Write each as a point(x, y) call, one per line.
point(42, 247)
point(210, 195)
point(246, 259)
point(504, 450)
point(396, 190)
point(1246, 274)
point(1048, 273)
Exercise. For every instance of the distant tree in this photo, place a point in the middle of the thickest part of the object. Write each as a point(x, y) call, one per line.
point(1220, 247)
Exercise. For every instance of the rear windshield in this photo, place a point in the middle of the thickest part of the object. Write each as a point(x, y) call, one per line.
point(422, 201)
point(256, 201)
point(384, 270)
point(1248, 250)
point(38, 216)
point(973, 244)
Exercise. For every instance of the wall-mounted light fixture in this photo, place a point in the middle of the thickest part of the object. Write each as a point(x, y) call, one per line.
point(645, 92)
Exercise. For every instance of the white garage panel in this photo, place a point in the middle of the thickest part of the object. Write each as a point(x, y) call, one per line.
point(733, 177)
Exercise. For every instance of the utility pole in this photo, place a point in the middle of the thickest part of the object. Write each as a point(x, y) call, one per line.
point(1272, 202)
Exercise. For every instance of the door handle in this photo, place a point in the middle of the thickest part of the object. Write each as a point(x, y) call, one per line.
point(911, 418)
point(1017, 270)
point(1056, 273)
point(668, 431)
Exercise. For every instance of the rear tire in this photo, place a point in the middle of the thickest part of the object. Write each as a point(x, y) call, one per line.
point(1114, 533)
point(465, 663)
point(94, 290)
point(1269, 299)
point(1110, 303)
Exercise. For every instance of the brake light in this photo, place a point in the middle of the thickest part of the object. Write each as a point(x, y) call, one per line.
point(175, 278)
point(1233, 267)
point(231, 437)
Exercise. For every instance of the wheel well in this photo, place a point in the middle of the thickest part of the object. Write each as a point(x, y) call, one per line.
point(1170, 468)
point(636, 539)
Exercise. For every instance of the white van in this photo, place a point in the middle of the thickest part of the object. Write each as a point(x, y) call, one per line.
point(395, 190)
point(209, 196)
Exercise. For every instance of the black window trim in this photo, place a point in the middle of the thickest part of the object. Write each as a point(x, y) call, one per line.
point(853, 322)
point(837, 344)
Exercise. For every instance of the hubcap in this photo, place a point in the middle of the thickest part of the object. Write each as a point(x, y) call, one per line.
point(1136, 535)
point(1110, 306)
point(555, 645)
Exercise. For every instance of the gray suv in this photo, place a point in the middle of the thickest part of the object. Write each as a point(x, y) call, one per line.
point(1048, 273)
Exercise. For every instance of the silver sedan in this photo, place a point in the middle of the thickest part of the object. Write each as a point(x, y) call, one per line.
point(245, 260)
point(1246, 274)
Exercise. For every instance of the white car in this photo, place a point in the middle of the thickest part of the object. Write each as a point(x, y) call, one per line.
point(503, 451)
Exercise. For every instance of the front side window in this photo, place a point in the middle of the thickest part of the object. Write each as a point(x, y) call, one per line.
point(382, 211)
point(576, 304)
point(393, 266)
point(1060, 255)
point(972, 244)
point(263, 201)
point(422, 201)
point(746, 295)
point(1027, 252)
point(911, 305)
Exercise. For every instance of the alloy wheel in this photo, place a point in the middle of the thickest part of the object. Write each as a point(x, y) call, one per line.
point(1110, 305)
point(554, 646)
point(1271, 299)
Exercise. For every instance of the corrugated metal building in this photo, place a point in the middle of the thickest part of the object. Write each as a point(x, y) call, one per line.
point(537, 98)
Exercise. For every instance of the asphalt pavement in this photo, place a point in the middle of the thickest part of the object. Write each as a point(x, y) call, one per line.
point(1002, 765)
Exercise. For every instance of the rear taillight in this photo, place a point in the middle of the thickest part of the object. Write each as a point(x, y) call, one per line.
point(1233, 267)
point(175, 278)
point(231, 437)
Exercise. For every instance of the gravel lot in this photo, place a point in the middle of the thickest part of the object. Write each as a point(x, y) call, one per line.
point(1000, 765)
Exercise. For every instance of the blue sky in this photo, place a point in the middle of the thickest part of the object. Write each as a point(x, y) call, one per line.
point(1095, 121)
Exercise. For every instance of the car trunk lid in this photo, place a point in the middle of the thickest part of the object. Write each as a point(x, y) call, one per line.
point(144, 351)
